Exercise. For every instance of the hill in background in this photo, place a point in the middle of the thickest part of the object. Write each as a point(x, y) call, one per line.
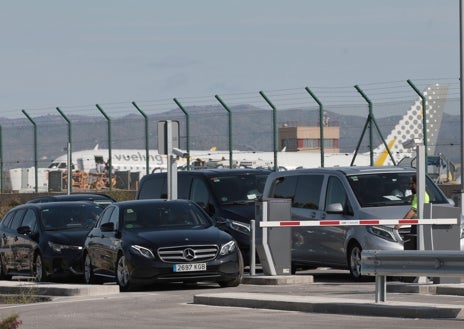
point(251, 128)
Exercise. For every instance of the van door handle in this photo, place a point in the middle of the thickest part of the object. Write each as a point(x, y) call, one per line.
point(323, 216)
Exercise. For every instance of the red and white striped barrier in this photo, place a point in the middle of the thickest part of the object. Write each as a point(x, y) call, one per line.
point(353, 222)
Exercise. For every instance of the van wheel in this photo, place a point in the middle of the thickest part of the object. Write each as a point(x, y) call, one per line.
point(354, 260)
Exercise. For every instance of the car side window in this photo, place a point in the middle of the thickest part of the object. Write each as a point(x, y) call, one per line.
point(16, 221)
point(114, 218)
point(7, 219)
point(308, 191)
point(106, 215)
point(30, 220)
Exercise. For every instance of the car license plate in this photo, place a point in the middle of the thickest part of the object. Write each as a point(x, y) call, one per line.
point(189, 267)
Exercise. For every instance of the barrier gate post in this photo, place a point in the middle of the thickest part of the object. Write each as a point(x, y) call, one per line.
point(274, 245)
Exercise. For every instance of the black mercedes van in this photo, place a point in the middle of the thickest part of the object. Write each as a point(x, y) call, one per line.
point(228, 195)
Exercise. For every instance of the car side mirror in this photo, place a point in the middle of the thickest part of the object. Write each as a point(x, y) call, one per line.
point(334, 208)
point(107, 227)
point(24, 230)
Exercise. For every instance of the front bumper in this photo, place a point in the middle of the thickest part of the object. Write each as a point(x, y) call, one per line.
point(67, 263)
point(146, 271)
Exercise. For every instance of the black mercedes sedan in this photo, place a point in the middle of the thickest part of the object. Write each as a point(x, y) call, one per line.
point(152, 241)
point(45, 240)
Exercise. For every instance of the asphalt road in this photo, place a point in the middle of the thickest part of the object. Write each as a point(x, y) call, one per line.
point(171, 306)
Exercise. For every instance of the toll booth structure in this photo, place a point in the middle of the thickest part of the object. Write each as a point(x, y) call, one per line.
point(273, 245)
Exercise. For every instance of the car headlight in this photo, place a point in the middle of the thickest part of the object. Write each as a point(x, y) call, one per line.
point(58, 247)
point(228, 248)
point(145, 252)
point(383, 232)
point(241, 227)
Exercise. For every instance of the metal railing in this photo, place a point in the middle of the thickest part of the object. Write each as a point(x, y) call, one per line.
point(383, 263)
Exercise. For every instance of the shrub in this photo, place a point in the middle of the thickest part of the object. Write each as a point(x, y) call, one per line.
point(10, 322)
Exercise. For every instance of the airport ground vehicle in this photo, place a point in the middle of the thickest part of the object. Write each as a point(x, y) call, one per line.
point(150, 241)
point(45, 240)
point(228, 195)
point(345, 193)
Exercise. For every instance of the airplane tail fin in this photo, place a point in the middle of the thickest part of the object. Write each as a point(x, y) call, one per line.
point(410, 126)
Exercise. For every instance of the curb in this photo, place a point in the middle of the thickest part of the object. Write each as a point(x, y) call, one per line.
point(50, 289)
point(331, 305)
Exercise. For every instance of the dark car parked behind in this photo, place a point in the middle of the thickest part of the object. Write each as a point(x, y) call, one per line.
point(98, 198)
point(45, 240)
point(227, 195)
point(150, 241)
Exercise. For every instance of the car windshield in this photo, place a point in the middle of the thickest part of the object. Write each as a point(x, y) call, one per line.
point(70, 217)
point(389, 189)
point(237, 189)
point(164, 216)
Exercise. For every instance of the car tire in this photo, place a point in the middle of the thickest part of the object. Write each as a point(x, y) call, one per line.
point(354, 260)
point(3, 275)
point(238, 279)
point(89, 276)
point(123, 276)
point(38, 269)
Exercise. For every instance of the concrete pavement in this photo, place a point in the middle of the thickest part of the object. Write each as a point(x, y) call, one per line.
point(294, 293)
point(343, 304)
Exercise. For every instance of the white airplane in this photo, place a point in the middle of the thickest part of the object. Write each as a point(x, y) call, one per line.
point(93, 162)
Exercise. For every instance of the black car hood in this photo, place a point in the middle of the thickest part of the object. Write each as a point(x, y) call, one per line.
point(70, 237)
point(165, 238)
point(238, 212)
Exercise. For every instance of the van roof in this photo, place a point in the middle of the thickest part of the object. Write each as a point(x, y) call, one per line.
point(348, 171)
point(215, 172)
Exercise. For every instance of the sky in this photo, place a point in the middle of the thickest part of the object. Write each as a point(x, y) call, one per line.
point(74, 54)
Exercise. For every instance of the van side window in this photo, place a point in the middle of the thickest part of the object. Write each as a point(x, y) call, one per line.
point(154, 188)
point(199, 192)
point(335, 192)
point(308, 191)
point(284, 187)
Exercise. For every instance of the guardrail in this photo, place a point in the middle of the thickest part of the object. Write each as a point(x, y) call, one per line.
point(383, 263)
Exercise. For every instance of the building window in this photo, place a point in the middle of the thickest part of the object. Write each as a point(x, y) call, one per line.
point(311, 143)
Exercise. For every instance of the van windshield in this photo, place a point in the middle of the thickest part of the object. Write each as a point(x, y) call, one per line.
point(238, 189)
point(389, 189)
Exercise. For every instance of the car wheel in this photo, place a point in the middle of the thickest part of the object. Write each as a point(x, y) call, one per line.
point(88, 271)
point(123, 276)
point(3, 275)
point(39, 269)
point(238, 279)
point(354, 260)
